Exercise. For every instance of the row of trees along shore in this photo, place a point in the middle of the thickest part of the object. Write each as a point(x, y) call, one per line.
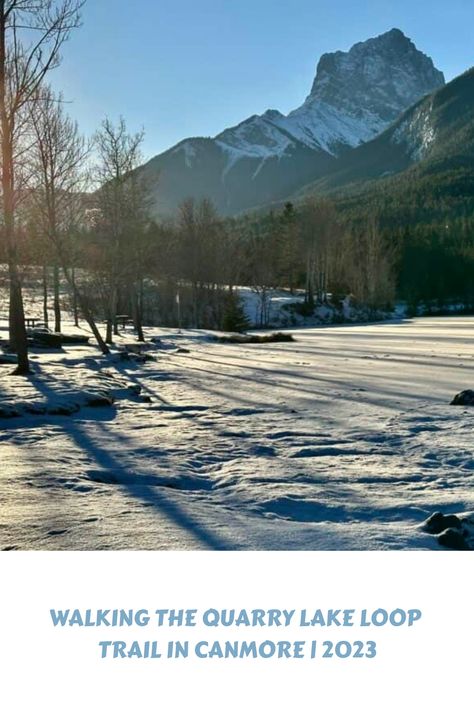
point(79, 213)
point(45, 218)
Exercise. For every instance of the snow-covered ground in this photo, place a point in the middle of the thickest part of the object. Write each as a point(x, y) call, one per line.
point(281, 313)
point(344, 439)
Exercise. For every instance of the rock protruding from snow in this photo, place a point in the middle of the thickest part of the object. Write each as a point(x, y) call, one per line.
point(453, 531)
point(438, 522)
point(464, 398)
point(454, 539)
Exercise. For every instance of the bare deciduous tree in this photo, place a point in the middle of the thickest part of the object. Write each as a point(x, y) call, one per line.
point(122, 204)
point(32, 33)
point(319, 230)
point(57, 159)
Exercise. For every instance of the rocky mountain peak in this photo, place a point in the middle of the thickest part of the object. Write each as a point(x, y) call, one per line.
point(356, 96)
point(382, 76)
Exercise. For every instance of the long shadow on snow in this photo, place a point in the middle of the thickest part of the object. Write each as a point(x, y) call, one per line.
point(351, 352)
point(122, 478)
point(324, 393)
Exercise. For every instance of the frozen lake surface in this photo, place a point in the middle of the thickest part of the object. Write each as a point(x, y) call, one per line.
point(344, 439)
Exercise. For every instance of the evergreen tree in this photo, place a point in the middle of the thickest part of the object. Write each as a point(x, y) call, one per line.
point(234, 319)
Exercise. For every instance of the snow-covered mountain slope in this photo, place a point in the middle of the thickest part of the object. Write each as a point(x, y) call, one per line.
point(436, 134)
point(233, 178)
point(416, 132)
point(355, 96)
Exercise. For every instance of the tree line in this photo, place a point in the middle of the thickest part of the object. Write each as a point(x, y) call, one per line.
point(80, 212)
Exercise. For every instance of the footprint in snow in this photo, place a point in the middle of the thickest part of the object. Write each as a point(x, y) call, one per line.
point(244, 412)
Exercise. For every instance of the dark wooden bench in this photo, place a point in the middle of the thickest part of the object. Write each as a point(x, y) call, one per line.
point(31, 322)
point(124, 320)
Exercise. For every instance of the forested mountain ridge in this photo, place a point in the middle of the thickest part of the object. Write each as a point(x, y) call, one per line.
point(436, 134)
point(419, 170)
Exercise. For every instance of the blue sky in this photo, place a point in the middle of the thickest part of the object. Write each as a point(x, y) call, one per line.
point(184, 68)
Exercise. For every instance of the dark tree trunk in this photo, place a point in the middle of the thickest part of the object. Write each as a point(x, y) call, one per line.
point(45, 296)
point(84, 306)
point(114, 316)
point(137, 297)
point(74, 297)
point(18, 337)
point(108, 333)
point(112, 326)
point(93, 326)
point(57, 302)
